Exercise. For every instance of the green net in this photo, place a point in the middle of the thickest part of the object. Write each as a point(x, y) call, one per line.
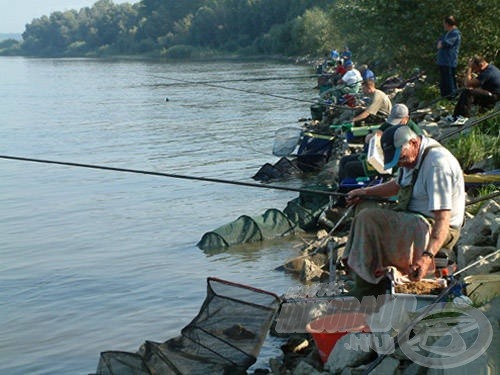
point(271, 224)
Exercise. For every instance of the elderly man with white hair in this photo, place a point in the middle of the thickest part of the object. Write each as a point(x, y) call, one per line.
point(431, 205)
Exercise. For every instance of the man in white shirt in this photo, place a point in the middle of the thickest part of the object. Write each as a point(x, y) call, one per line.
point(431, 194)
point(350, 83)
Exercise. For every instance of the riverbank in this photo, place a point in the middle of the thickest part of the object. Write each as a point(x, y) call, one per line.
point(479, 239)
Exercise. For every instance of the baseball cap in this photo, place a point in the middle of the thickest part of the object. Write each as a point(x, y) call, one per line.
point(347, 62)
point(398, 112)
point(392, 140)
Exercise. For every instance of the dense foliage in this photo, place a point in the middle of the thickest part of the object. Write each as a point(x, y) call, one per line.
point(386, 33)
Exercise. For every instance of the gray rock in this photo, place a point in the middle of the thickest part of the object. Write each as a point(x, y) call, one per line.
point(354, 371)
point(486, 164)
point(481, 289)
point(414, 369)
point(469, 254)
point(310, 271)
point(430, 127)
point(304, 368)
point(486, 363)
point(389, 365)
point(343, 356)
point(483, 228)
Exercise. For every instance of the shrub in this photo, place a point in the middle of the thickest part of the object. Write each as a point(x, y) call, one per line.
point(474, 147)
point(180, 51)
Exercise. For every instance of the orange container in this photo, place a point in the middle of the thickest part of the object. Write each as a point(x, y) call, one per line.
point(328, 329)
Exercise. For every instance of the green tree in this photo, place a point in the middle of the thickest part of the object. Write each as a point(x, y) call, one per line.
point(399, 35)
point(204, 26)
point(403, 34)
point(36, 37)
point(10, 47)
point(313, 32)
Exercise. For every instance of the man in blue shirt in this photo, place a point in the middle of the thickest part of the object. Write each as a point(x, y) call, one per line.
point(366, 73)
point(334, 55)
point(447, 58)
point(484, 90)
point(346, 54)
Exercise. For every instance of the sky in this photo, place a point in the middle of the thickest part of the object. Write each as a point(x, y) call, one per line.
point(15, 14)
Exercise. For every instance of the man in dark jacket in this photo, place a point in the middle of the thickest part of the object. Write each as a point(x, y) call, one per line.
point(483, 90)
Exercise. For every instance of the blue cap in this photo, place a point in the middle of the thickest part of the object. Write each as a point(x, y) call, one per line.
point(392, 141)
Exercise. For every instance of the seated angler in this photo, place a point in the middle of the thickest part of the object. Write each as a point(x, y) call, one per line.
point(339, 72)
point(366, 73)
point(355, 165)
point(350, 83)
point(346, 54)
point(482, 90)
point(430, 212)
point(380, 105)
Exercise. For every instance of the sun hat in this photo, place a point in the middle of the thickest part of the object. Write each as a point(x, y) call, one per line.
point(399, 111)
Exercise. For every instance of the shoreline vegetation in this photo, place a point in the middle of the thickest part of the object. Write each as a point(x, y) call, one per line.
point(386, 35)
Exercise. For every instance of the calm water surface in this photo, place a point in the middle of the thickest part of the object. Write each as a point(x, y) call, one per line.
point(95, 260)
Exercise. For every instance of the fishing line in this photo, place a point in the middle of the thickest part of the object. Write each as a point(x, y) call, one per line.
point(235, 80)
point(162, 174)
point(245, 91)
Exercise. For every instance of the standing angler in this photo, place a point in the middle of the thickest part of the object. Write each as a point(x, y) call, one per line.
point(447, 58)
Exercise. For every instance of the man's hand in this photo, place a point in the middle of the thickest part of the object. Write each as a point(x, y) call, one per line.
point(419, 269)
point(354, 196)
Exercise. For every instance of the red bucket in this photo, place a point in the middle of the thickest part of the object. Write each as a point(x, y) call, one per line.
point(328, 329)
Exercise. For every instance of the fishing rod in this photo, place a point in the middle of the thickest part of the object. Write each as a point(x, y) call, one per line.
point(243, 90)
point(171, 175)
point(208, 179)
point(483, 198)
point(403, 335)
point(236, 80)
point(469, 124)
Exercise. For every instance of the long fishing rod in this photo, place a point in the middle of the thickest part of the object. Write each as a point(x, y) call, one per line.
point(162, 174)
point(483, 198)
point(243, 90)
point(208, 179)
point(237, 80)
point(469, 124)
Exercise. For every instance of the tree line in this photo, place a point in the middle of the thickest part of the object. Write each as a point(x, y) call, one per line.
point(385, 33)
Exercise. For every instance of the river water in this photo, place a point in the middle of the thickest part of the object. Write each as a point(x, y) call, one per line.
point(94, 260)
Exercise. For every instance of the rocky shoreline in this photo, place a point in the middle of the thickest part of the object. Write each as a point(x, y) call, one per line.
point(479, 238)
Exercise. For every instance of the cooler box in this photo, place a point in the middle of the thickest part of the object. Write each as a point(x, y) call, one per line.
point(375, 155)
